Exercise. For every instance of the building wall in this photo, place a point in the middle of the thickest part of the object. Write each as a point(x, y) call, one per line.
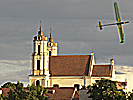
point(70, 81)
point(44, 80)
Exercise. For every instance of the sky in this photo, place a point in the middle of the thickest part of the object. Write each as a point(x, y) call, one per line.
point(73, 24)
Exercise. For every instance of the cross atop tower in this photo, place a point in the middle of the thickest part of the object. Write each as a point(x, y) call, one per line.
point(40, 22)
point(50, 39)
point(40, 26)
point(50, 29)
point(50, 32)
point(40, 32)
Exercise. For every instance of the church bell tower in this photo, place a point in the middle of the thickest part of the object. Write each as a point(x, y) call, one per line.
point(42, 49)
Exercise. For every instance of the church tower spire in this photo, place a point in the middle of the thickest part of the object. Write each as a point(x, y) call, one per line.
point(52, 46)
point(40, 32)
point(50, 39)
point(42, 50)
point(40, 26)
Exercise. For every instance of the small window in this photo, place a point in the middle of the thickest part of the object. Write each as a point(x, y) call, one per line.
point(77, 86)
point(38, 38)
point(38, 49)
point(38, 64)
point(49, 53)
point(37, 82)
point(49, 44)
point(55, 85)
point(47, 83)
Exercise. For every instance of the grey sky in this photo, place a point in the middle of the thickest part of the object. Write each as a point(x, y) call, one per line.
point(73, 26)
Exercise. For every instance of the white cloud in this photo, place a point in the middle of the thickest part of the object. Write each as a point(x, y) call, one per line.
point(14, 70)
point(125, 72)
point(14, 76)
point(14, 64)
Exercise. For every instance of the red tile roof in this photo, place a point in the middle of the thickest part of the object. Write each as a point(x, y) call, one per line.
point(62, 93)
point(5, 91)
point(69, 65)
point(101, 71)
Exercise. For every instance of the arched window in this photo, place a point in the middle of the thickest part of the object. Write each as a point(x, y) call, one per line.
point(37, 82)
point(38, 49)
point(49, 53)
point(55, 85)
point(77, 86)
point(38, 64)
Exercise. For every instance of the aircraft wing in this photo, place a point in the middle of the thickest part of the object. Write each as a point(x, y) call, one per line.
point(117, 13)
point(120, 32)
point(118, 20)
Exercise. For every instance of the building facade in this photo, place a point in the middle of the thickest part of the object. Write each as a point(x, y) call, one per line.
point(52, 70)
point(42, 49)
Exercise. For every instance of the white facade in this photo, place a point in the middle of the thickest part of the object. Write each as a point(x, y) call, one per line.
point(42, 49)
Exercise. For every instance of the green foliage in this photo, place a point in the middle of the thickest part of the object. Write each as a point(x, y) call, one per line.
point(36, 93)
point(105, 89)
point(8, 85)
point(83, 87)
point(17, 92)
point(1, 97)
point(130, 97)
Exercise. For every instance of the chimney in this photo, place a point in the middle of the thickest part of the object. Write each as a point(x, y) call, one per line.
point(125, 82)
point(53, 91)
point(112, 62)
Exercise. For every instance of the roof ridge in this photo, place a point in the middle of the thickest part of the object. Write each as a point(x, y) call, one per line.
point(71, 56)
point(102, 65)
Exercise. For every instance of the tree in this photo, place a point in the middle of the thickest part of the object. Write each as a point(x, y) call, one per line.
point(130, 97)
point(17, 92)
point(105, 89)
point(36, 92)
point(1, 97)
point(8, 85)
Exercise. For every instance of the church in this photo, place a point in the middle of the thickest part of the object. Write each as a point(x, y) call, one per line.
point(52, 70)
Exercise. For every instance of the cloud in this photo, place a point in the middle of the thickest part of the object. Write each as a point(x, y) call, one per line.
point(125, 72)
point(14, 65)
point(124, 69)
point(15, 76)
point(14, 70)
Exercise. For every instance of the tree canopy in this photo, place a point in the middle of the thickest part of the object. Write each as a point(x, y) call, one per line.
point(105, 89)
point(8, 85)
point(18, 92)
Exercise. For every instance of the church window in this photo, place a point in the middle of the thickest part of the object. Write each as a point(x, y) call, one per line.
point(49, 44)
point(38, 49)
point(38, 64)
point(49, 53)
point(47, 83)
point(37, 82)
point(77, 86)
point(55, 85)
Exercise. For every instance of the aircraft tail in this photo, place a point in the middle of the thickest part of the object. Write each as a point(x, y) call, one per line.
point(100, 25)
